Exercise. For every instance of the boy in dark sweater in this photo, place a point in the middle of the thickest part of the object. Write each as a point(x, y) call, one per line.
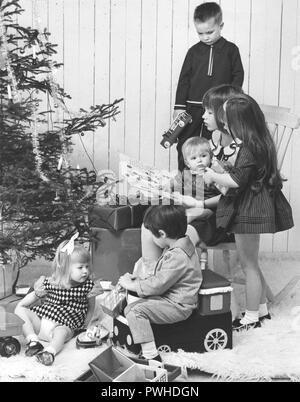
point(211, 62)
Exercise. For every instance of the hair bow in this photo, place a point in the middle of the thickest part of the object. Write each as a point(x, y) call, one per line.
point(69, 247)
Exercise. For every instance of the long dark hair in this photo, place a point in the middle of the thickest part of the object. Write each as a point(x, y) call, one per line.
point(246, 121)
point(215, 97)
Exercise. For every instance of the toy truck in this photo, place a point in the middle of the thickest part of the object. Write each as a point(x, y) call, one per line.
point(209, 328)
point(171, 136)
point(10, 326)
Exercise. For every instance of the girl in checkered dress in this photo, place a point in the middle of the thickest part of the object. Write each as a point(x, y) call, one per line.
point(66, 306)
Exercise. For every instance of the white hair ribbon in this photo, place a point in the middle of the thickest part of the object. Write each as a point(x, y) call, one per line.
point(69, 247)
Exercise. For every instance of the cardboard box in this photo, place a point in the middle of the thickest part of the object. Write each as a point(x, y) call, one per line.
point(114, 253)
point(172, 371)
point(87, 376)
point(117, 217)
point(214, 294)
point(10, 324)
point(7, 278)
point(142, 373)
point(110, 364)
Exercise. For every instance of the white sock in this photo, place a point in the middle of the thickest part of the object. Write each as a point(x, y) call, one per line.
point(32, 338)
point(149, 350)
point(263, 310)
point(50, 349)
point(249, 317)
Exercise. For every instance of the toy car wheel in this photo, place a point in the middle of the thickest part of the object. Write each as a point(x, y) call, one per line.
point(181, 124)
point(9, 347)
point(167, 144)
point(164, 349)
point(129, 340)
point(215, 339)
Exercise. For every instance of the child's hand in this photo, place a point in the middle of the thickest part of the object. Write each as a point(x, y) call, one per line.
point(39, 287)
point(185, 200)
point(177, 112)
point(209, 176)
point(127, 282)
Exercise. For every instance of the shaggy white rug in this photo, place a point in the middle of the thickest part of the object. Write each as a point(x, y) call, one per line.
point(272, 351)
point(68, 365)
point(262, 354)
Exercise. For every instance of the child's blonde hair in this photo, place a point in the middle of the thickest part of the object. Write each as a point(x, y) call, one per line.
point(195, 143)
point(61, 264)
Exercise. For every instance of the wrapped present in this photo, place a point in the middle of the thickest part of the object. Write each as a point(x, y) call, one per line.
point(117, 217)
point(113, 303)
point(8, 274)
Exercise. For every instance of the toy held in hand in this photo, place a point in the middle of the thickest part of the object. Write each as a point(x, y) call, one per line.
point(171, 136)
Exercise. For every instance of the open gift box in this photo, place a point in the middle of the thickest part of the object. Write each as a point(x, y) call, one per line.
point(113, 366)
point(110, 364)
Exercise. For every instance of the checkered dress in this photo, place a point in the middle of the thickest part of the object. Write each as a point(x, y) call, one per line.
point(65, 306)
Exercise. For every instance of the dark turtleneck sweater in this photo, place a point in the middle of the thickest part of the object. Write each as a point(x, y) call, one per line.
point(207, 66)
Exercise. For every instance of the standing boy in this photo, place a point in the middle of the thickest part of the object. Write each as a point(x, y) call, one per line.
point(211, 62)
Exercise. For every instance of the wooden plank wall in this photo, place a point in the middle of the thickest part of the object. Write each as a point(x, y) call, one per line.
point(135, 48)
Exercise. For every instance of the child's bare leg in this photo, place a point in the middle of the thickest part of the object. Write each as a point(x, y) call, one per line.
point(61, 335)
point(193, 235)
point(263, 298)
point(32, 323)
point(150, 251)
point(248, 248)
point(194, 213)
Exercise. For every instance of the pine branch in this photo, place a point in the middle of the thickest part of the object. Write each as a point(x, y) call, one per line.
point(37, 215)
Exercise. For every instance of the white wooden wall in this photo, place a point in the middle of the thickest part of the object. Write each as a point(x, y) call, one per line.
point(135, 48)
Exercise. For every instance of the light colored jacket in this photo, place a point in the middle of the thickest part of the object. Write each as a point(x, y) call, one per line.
point(177, 276)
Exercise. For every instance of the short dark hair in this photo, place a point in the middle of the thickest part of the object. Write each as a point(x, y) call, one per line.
point(169, 218)
point(206, 11)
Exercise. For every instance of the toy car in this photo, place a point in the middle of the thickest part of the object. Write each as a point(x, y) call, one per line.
point(10, 325)
point(209, 328)
point(171, 136)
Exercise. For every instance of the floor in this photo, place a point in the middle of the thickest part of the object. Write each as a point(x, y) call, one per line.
point(278, 269)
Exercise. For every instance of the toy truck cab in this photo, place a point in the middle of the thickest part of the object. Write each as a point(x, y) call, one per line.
point(208, 328)
point(10, 325)
point(171, 136)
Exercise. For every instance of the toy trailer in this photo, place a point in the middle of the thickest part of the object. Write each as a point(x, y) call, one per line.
point(10, 325)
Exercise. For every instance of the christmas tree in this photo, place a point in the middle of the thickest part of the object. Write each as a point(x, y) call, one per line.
point(43, 199)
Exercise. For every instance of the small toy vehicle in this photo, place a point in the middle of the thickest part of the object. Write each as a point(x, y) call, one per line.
point(209, 328)
point(171, 136)
point(10, 325)
point(92, 337)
